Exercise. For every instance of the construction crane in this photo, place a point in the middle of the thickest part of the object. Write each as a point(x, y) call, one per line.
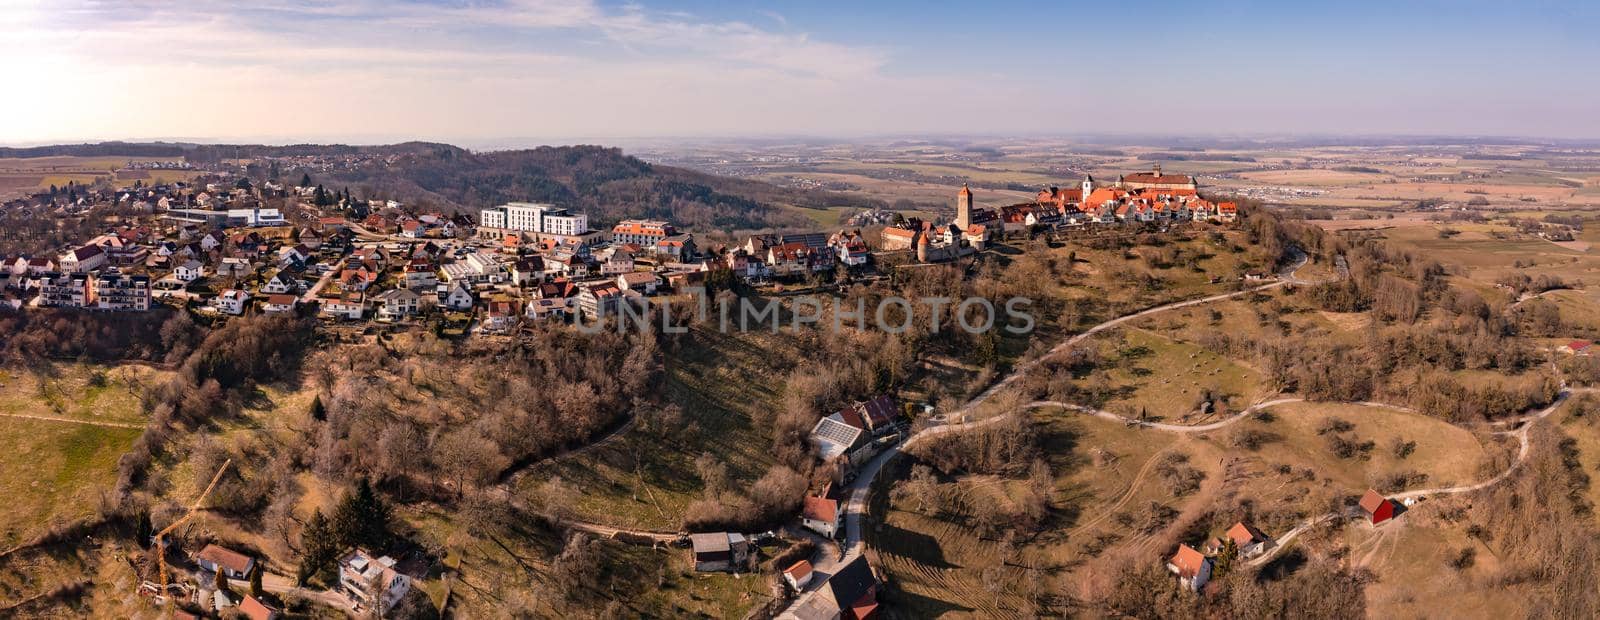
point(161, 537)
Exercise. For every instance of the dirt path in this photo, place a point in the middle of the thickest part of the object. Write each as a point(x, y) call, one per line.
point(25, 416)
point(1524, 448)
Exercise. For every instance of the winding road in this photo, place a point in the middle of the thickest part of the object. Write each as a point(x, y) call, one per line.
point(859, 490)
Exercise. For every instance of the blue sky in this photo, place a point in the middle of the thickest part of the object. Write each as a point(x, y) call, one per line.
point(559, 70)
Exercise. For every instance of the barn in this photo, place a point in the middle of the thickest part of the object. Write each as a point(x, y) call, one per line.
point(1377, 507)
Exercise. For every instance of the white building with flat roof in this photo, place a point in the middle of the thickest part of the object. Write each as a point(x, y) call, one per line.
point(535, 218)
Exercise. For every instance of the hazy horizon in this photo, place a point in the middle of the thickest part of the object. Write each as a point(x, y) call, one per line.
point(523, 72)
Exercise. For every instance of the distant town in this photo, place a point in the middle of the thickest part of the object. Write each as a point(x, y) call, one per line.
point(212, 245)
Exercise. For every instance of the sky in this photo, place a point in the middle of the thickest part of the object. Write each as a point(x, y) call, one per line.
point(554, 71)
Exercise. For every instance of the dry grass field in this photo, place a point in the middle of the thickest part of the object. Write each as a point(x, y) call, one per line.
point(57, 467)
point(1109, 474)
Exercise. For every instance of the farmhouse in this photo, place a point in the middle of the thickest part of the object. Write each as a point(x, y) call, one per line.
point(1577, 347)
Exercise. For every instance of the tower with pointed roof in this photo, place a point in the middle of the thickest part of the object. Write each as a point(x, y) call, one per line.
point(964, 208)
point(1088, 187)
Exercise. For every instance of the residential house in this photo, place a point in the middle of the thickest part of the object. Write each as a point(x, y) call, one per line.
point(295, 255)
point(232, 301)
point(254, 609)
point(232, 267)
point(279, 304)
point(501, 316)
point(189, 271)
point(851, 247)
point(876, 416)
point(361, 575)
point(457, 296)
point(1377, 507)
point(798, 575)
point(719, 551)
point(1192, 567)
point(234, 565)
point(212, 240)
point(281, 282)
point(83, 259)
point(350, 306)
point(541, 309)
point(820, 514)
point(642, 281)
point(600, 299)
point(40, 265)
point(833, 438)
point(618, 262)
point(1248, 540)
point(851, 593)
point(397, 303)
point(357, 279)
point(527, 270)
point(1577, 347)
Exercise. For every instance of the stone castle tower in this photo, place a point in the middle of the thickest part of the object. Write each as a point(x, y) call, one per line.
point(964, 208)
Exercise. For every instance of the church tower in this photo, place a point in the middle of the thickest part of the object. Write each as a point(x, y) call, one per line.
point(1088, 187)
point(964, 208)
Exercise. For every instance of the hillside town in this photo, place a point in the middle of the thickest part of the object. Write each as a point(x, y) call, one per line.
point(214, 246)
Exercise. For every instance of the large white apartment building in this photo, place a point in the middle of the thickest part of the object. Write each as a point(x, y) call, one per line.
point(536, 218)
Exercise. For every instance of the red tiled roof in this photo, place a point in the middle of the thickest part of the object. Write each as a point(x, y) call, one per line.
point(254, 609)
point(1243, 534)
point(800, 570)
point(821, 509)
point(1188, 560)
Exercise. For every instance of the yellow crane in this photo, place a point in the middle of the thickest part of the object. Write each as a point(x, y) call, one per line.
point(161, 537)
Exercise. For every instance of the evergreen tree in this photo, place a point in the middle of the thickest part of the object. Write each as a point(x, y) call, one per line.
point(317, 547)
point(305, 179)
point(255, 583)
point(1225, 558)
point(219, 582)
point(362, 518)
point(319, 412)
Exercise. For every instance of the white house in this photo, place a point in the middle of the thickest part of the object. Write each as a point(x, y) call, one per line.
point(233, 564)
point(460, 297)
point(232, 301)
point(397, 303)
point(641, 281)
point(1192, 567)
point(361, 574)
point(821, 515)
point(279, 304)
point(83, 259)
point(348, 307)
point(189, 271)
point(281, 282)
